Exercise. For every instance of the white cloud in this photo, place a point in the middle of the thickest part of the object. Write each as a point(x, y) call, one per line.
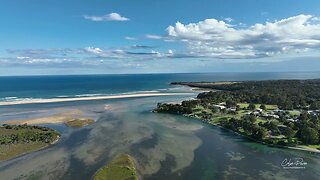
point(215, 38)
point(130, 38)
point(107, 17)
point(152, 36)
point(93, 50)
point(228, 19)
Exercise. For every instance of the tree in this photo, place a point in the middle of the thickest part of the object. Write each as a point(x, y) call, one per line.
point(230, 103)
point(309, 136)
point(273, 126)
point(252, 118)
point(263, 107)
point(214, 109)
point(260, 133)
point(314, 106)
point(251, 106)
point(289, 133)
point(238, 108)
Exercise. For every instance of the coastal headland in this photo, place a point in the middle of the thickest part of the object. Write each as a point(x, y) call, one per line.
point(281, 113)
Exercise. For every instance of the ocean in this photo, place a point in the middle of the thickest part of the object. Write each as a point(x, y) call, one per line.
point(30, 87)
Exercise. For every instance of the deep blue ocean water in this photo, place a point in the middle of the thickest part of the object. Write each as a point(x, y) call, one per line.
point(21, 87)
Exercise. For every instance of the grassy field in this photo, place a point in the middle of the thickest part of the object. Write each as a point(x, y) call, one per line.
point(76, 123)
point(121, 168)
point(268, 106)
point(294, 113)
point(218, 117)
point(310, 146)
point(13, 150)
point(18, 140)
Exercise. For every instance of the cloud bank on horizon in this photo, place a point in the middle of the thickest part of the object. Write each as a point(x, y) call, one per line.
point(210, 38)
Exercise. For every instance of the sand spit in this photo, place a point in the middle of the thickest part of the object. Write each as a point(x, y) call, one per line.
point(56, 100)
point(54, 119)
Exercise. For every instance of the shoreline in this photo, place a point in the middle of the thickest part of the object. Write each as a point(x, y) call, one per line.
point(57, 100)
point(211, 85)
point(254, 140)
point(34, 150)
point(29, 150)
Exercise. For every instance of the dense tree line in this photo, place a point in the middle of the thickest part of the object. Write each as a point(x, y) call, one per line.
point(287, 94)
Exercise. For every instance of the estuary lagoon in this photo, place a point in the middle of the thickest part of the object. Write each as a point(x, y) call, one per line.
point(164, 146)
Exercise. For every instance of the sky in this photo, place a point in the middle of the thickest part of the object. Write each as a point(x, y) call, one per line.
point(53, 37)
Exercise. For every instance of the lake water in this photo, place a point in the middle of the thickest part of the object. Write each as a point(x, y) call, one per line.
point(164, 146)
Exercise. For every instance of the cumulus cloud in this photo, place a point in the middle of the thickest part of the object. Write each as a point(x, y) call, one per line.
point(107, 17)
point(93, 50)
point(214, 38)
point(228, 19)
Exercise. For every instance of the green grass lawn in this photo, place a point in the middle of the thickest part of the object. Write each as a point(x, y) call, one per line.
point(311, 146)
point(294, 113)
point(121, 168)
point(13, 150)
point(268, 106)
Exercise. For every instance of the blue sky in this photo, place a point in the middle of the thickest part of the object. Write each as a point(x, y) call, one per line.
point(145, 36)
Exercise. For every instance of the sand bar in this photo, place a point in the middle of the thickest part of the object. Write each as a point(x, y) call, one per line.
point(53, 119)
point(57, 100)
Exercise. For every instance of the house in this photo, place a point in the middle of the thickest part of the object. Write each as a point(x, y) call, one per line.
point(219, 106)
point(292, 120)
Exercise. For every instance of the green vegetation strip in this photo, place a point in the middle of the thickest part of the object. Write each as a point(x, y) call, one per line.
point(20, 139)
point(76, 123)
point(121, 168)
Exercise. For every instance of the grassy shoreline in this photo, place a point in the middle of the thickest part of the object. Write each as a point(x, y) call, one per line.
point(276, 113)
point(120, 168)
point(300, 148)
point(16, 141)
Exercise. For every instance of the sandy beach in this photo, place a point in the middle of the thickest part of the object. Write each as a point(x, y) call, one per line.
point(57, 100)
point(53, 119)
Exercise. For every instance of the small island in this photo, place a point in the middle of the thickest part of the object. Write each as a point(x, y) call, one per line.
point(283, 113)
point(16, 140)
point(120, 168)
point(79, 122)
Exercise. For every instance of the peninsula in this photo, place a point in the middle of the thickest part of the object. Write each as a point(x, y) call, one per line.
point(282, 113)
point(16, 140)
